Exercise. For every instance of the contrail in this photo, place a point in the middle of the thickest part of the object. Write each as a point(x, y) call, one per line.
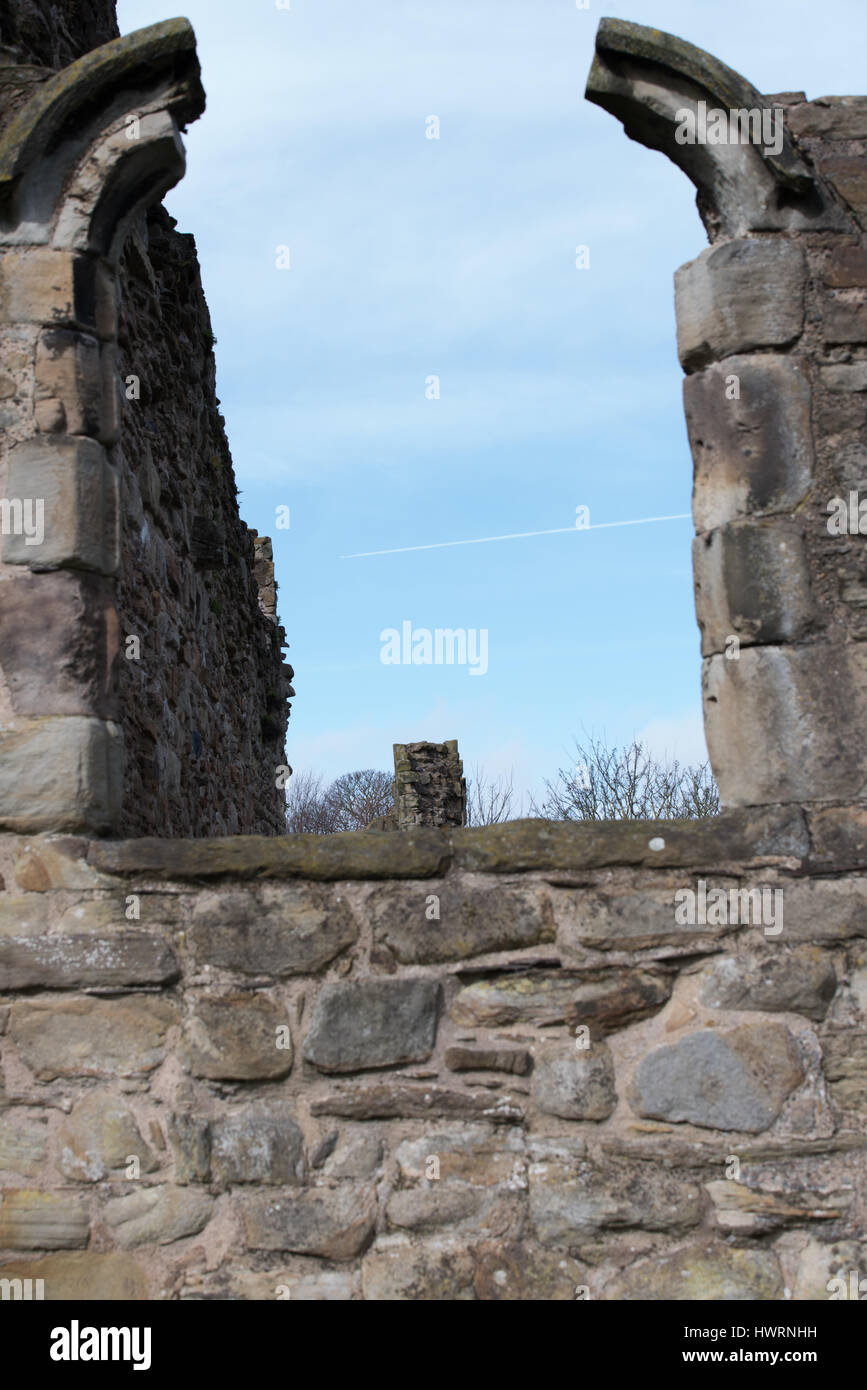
point(518, 536)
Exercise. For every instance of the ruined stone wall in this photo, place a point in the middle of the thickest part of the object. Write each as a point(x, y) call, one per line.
point(170, 647)
point(495, 1064)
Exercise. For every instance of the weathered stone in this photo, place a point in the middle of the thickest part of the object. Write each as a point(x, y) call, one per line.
point(740, 1208)
point(843, 320)
point(392, 1100)
point(473, 918)
point(336, 1223)
point(85, 1276)
point(359, 1157)
point(829, 118)
point(735, 1079)
point(825, 1272)
point(516, 1060)
point(576, 1085)
point(752, 455)
point(569, 1213)
point(626, 920)
point(839, 837)
point(701, 1272)
point(60, 773)
point(250, 1285)
point(157, 1215)
point(846, 174)
point(291, 930)
point(475, 1154)
point(259, 1143)
point(23, 1144)
point(421, 1208)
point(521, 1273)
point(738, 296)
point(63, 664)
point(752, 580)
point(73, 961)
point(435, 1273)
point(91, 1037)
point(57, 862)
point(802, 981)
point(99, 1137)
point(78, 488)
point(844, 376)
point(238, 1037)
point(372, 1023)
point(39, 285)
point(846, 267)
point(23, 915)
point(190, 1140)
point(34, 1220)
point(68, 369)
point(845, 1067)
point(824, 909)
point(604, 1002)
point(429, 786)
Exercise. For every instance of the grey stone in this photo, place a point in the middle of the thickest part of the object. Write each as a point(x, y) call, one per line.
point(392, 1100)
point(421, 1208)
point(474, 918)
point(259, 1143)
point(802, 981)
point(733, 1079)
point(190, 1140)
point(752, 581)
point(157, 1215)
point(576, 1085)
point(434, 1273)
point(752, 455)
point(92, 1037)
point(737, 296)
point(79, 491)
point(99, 1137)
point(643, 1197)
point(73, 960)
point(23, 1144)
point(604, 1002)
point(335, 1223)
point(359, 1157)
point(288, 930)
point(372, 1023)
point(235, 1037)
point(61, 774)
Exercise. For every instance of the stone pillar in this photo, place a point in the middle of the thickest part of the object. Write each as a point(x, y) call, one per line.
point(772, 334)
point(82, 153)
point(429, 786)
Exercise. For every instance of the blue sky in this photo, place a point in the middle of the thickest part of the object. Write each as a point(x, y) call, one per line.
point(412, 257)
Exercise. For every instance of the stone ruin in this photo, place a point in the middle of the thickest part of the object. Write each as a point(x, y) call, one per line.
point(538, 1060)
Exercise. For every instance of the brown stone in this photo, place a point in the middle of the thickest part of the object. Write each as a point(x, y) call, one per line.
point(34, 1220)
point(236, 1038)
point(335, 1223)
point(472, 918)
point(86, 1276)
point(602, 1001)
point(408, 1100)
point(91, 1037)
point(288, 930)
point(72, 961)
point(64, 663)
point(516, 1060)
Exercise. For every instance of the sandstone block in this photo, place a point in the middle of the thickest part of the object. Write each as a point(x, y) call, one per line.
point(516, 1060)
point(99, 1137)
point(71, 478)
point(84, 1276)
point(335, 1223)
point(236, 1037)
point(522, 1273)
point(701, 1272)
point(737, 296)
point(91, 1037)
point(431, 1274)
point(569, 1214)
point(752, 455)
point(68, 370)
point(802, 981)
point(576, 1085)
point(58, 287)
point(291, 930)
point(603, 1002)
point(475, 1154)
point(372, 1023)
point(737, 1079)
point(85, 960)
point(157, 1215)
point(752, 580)
point(474, 918)
point(35, 1220)
point(64, 662)
point(23, 1144)
point(61, 773)
point(257, 1143)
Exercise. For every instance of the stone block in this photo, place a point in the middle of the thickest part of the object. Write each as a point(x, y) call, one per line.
point(238, 1037)
point(157, 1215)
point(289, 930)
point(752, 581)
point(522, 1273)
point(475, 1155)
point(372, 1023)
point(56, 862)
point(752, 455)
point(91, 1037)
point(61, 773)
point(335, 1223)
point(848, 177)
point(474, 917)
point(844, 376)
point(701, 1272)
point(396, 1100)
point(100, 1137)
point(846, 267)
point(739, 295)
point(70, 961)
point(58, 288)
point(734, 1079)
point(68, 369)
point(190, 1140)
point(23, 1144)
point(801, 981)
point(569, 1214)
point(71, 481)
point(34, 1220)
point(575, 1085)
point(602, 1001)
point(516, 1060)
point(257, 1143)
point(84, 1276)
point(782, 723)
point(844, 320)
point(59, 641)
point(431, 1274)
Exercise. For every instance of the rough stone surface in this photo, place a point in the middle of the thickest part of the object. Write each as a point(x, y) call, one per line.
point(471, 919)
point(257, 1143)
point(92, 1037)
point(99, 1137)
point(801, 981)
point(604, 1003)
point(85, 1275)
point(292, 930)
point(35, 1220)
point(701, 1272)
point(576, 1085)
point(157, 1215)
point(373, 1023)
point(336, 1223)
point(238, 1037)
point(72, 961)
point(738, 296)
point(733, 1079)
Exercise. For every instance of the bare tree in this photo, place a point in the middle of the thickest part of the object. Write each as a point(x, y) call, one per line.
point(628, 784)
point(350, 802)
point(489, 799)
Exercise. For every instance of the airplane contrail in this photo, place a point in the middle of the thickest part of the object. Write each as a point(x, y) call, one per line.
point(518, 536)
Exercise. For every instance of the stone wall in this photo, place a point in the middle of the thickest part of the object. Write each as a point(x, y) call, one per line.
point(143, 690)
point(442, 1064)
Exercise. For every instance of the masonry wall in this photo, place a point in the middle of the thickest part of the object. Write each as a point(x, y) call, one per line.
point(492, 1064)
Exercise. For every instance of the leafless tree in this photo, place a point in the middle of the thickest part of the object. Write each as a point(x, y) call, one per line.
point(628, 784)
point(489, 799)
point(350, 802)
